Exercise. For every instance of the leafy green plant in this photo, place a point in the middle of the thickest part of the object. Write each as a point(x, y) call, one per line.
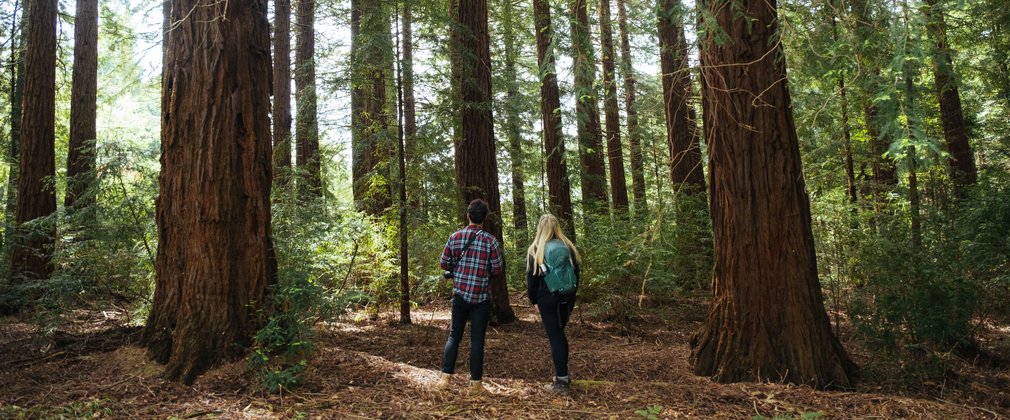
point(651, 412)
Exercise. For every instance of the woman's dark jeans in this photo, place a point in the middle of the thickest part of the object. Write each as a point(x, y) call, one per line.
point(555, 310)
point(479, 314)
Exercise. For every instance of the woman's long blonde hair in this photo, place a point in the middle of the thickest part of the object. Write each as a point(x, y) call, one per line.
point(547, 228)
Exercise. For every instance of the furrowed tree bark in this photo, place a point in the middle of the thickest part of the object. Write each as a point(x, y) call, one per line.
point(513, 130)
point(767, 320)
point(81, 152)
point(36, 197)
point(372, 154)
point(476, 165)
point(634, 137)
point(306, 119)
point(615, 150)
point(593, 171)
point(558, 185)
point(215, 257)
point(681, 130)
point(962, 161)
point(282, 95)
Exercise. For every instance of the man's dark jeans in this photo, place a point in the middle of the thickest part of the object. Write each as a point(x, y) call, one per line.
point(479, 314)
point(555, 309)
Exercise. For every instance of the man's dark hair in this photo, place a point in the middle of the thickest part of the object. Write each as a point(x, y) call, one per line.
point(477, 210)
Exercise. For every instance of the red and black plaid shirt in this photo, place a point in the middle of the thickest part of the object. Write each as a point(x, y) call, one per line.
point(474, 268)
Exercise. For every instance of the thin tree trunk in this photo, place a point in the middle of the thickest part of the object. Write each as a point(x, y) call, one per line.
point(615, 151)
point(681, 130)
point(282, 95)
point(909, 69)
point(476, 164)
point(415, 188)
point(402, 178)
point(962, 160)
point(215, 257)
point(306, 118)
point(764, 247)
point(513, 129)
point(634, 137)
point(17, 69)
point(81, 152)
point(373, 151)
point(36, 197)
point(592, 169)
point(558, 186)
point(850, 169)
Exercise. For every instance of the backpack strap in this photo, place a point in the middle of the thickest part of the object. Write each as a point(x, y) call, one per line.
point(463, 252)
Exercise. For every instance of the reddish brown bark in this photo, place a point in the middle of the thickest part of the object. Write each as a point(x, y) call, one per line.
point(962, 160)
point(587, 112)
point(83, 108)
point(282, 92)
point(36, 198)
point(634, 138)
point(373, 149)
point(767, 320)
point(558, 187)
point(476, 164)
point(681, 129)
point(615, 151)
point(513, 129)
point(215, 256)
point(306, 117)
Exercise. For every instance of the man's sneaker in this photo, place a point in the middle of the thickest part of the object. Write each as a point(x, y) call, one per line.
point(560, 387)
point(477, 387)
point(443, 381)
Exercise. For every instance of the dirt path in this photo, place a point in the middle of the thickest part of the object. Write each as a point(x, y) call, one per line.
point(379, 369)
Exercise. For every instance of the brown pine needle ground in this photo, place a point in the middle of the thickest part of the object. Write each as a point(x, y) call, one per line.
point(378, 369)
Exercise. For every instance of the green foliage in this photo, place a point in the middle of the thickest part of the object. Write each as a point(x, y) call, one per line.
point(651, 412)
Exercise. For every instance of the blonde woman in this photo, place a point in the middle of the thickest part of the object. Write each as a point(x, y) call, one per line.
point(552, 265)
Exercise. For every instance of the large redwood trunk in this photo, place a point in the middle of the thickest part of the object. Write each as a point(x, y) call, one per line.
point(767, 319)
point(33, 247)
point(587, 112)
point(373, 149)
point(306, 117)
point(558, 187)
point(634, 137)
point(513, 129)
point(282, 93)
point(962, 162)
point(615, 151)
point(81, 176)
point(476, 164)
point(215, 256)
point(681, 129)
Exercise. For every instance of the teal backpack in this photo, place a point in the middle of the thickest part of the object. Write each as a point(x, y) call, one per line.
point(560, 272)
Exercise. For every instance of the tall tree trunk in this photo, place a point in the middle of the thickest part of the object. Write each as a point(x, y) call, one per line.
point(36, 198)
point(372, 154)
point(587, 112)
point(885, 175)
point(962, 162)
point(476, 164)
point(81, 177)
point(767, 319)
point(615, 151)
point(411, 152)
point(306, 118)
point(17, 85)
point(402, 174)
point(909, 70)
point(513, 129)
point(634, 137)
point(681, 129)
point(215, 258)
point(282, 94)
point(559, 189)
point(850, 169)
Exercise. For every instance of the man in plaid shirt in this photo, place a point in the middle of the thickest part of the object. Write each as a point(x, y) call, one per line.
point(472, 267)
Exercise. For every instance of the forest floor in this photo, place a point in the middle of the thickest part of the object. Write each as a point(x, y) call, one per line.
point(379, 369)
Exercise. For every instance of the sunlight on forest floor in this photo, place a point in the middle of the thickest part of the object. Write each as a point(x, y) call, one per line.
point(380, 369)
